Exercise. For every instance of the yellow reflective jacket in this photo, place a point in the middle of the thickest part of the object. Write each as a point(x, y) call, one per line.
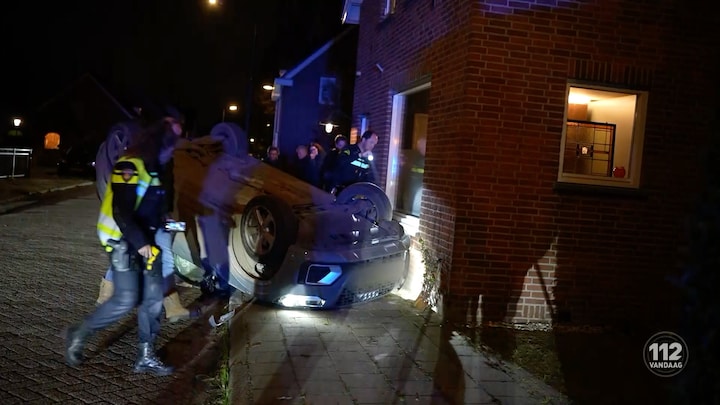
point(107, 228)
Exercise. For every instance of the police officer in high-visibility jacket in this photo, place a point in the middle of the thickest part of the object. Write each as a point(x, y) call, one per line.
point(353, 164)
point(131, 212)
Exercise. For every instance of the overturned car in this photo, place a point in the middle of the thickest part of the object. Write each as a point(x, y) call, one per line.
point(277, 238)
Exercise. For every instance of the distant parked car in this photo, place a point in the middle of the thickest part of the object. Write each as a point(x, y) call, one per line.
point(78, 160)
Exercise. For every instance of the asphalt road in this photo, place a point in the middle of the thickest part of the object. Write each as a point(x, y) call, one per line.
point(51, 268)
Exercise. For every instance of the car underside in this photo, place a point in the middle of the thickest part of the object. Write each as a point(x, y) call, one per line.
point(274, 237)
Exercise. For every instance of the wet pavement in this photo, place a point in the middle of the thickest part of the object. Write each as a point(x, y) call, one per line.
point(383, 352)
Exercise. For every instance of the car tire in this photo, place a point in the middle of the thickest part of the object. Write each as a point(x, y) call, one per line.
point(233, 138)
point(264, 233)
point(370, 192)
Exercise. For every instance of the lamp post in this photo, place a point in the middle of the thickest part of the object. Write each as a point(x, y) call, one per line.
point(17, 122)
point(231, 107)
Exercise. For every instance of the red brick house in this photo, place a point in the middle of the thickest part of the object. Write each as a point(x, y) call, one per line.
point(563, 145)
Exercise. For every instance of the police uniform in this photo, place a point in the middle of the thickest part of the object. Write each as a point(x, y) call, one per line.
point(352, 168)
point(130, 213)
point(133, 206)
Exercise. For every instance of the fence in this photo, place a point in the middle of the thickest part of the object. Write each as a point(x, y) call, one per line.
point(15, 162)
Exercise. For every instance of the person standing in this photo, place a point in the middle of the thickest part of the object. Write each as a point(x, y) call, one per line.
point(300, 166)
point(272, 158)
point(330, 162)
point(354, 163)
point(130, 214)
point(316, 157)
point(174, 310)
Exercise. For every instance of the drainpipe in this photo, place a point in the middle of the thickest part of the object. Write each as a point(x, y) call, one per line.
point(277, 98)
point(276, 121)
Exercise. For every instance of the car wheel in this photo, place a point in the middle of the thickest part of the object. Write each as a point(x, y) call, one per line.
point(370, 192)
point(233, 138)
point(264, 233)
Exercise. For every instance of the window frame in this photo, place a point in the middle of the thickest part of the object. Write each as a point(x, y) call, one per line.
point(411, 223)
point(634, 168)
point(389, 8)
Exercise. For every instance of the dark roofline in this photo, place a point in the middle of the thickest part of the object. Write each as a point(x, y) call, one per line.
point(310, 59)
point(98, 85)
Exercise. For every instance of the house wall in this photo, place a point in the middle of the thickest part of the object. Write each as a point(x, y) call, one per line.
point(513, 246)
point(300, 109)
point(301, 113)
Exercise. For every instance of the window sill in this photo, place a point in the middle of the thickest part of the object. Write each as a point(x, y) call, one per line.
point(593, 190)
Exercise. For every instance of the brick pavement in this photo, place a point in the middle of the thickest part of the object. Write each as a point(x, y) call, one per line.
point(52, 265)
point(382, 352)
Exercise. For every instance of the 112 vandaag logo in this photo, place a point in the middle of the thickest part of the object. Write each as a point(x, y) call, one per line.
point(665, 354)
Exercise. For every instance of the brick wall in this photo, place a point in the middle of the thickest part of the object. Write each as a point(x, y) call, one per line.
point(514, 247)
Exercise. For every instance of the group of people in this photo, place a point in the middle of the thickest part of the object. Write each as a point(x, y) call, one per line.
point(136, 203)
point(343, 165)
point(135, 206)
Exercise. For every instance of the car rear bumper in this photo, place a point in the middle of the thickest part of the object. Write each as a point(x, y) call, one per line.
point(331, 279)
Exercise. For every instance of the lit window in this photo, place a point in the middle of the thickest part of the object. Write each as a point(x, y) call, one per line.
point(406, 163)
point(602, 136)
point(52, 140)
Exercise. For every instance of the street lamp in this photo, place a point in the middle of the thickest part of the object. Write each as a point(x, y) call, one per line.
point(231, 107)
point(17, 122)
point(212, 2)
point(268, 87)
point(329, 126)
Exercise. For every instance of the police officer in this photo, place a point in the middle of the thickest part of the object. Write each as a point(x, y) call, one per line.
point(354, 163)
point(131, 212)
point(174, 310)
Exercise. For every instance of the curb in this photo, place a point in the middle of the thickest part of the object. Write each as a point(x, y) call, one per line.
point(52, 190)
point(25, 199)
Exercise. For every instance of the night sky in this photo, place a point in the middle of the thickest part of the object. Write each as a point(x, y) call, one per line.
point(184, 52)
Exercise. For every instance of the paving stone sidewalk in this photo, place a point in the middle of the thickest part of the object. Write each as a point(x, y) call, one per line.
point(381, 352)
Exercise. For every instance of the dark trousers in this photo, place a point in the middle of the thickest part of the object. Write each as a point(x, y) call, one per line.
point(136, 287)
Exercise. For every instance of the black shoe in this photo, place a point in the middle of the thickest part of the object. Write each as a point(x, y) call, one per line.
point(147, 362)
point(74, 344)
point(207, 286)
